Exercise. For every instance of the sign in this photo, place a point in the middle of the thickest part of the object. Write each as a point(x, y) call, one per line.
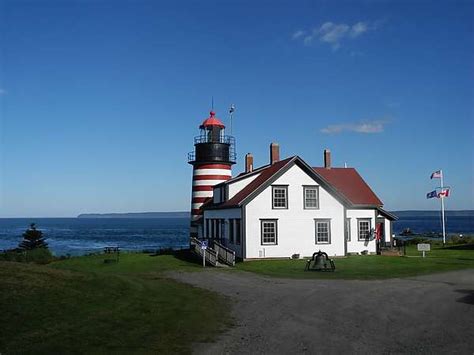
point(204, 247)
point(424, 247)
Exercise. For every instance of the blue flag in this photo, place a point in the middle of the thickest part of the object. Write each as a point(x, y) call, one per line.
point(431, 194)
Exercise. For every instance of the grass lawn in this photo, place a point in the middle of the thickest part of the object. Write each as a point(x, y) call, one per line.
point(369, 267)
point(82, 305)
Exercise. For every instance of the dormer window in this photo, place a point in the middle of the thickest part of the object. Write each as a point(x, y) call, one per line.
point(280, 197)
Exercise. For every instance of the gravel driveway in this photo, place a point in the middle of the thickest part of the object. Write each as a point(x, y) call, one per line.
point(428, 314)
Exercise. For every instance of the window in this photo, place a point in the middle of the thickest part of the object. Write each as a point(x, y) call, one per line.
point(280, 196)
point(323, 231)
point(208, 231)
point(364, 229)
point(231, 231)
point(237, 231)
point(348, 229)
point(269, 231)
point(311, 197)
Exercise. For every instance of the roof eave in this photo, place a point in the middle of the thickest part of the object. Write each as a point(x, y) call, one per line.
point(266, 183)
point(387, 214)
point(242, 176)
point(219, 207)
point(309, 170)
point(357, 206)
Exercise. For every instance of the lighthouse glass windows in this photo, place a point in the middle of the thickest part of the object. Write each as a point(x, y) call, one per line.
point(311, 197)
point(269, 232)
point(323, 231)
point(280, 197)
point(364, 228)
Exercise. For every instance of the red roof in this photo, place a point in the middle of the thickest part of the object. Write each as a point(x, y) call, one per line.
point(265, 174)
point(212, 121)
point(348, 182)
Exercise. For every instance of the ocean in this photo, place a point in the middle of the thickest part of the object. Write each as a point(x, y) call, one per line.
point(78, 236)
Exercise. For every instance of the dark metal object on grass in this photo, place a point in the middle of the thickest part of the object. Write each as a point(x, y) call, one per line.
point(320, 262)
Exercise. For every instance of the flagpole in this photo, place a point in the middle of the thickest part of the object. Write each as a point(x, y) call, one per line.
point(442, 208)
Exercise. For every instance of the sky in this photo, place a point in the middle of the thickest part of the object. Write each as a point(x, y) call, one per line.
point(100, 100)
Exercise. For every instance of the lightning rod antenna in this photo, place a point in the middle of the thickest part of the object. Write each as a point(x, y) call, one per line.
point(231, 114)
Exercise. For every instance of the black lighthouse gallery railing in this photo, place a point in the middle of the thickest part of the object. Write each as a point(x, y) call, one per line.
point(204, 139)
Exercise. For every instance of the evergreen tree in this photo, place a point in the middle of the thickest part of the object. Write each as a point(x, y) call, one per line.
point(33, 239)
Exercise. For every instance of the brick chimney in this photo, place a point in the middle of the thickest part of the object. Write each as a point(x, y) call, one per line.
point(274, 153)
point(327, 158)
point(248, 163)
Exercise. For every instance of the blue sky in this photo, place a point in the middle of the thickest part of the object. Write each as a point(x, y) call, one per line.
point(100, 100)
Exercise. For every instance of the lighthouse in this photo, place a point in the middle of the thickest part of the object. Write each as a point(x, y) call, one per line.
point(212, 159)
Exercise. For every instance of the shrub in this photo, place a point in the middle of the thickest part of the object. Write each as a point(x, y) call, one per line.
point(459, 239)
point(38, 256)
point(418, 240)
point(10, 255)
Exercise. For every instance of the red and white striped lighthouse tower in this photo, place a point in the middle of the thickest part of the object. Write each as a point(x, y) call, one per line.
point(212, 159)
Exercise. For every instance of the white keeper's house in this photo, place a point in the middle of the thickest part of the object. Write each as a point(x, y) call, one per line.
point(288, 207)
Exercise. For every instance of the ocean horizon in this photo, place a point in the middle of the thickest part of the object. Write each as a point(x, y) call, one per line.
point(78, 236)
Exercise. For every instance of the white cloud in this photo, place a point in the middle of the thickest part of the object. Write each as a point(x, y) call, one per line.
point(298, 34)
point(374, 126)
point(333, 33)
point(358, 29)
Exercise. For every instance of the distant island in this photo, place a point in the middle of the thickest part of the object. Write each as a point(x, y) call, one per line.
point(136, 215)
point(184, 214)
point(424, 213)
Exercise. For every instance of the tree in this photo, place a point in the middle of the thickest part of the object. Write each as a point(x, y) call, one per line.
point(33, 239)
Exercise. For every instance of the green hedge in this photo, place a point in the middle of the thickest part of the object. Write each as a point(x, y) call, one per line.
point(37, 256)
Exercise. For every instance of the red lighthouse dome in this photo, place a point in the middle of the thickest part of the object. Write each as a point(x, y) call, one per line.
point(212, 121)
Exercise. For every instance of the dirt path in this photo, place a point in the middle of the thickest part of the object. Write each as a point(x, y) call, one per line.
point(429, 314)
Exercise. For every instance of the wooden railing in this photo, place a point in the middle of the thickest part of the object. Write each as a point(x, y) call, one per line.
point(211, 255)
point(218, 252)
point(225, 255)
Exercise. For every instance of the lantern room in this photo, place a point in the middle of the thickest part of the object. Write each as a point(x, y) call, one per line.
point(212, 145)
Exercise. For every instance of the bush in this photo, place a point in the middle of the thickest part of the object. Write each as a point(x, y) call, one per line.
point(11, 255)
point(37, 256)
point(419, 240)
point(456, 239)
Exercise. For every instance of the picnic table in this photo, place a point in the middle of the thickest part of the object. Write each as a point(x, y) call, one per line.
point(112, 254)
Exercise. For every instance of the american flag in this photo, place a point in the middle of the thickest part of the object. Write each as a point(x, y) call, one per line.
point(436, 174)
